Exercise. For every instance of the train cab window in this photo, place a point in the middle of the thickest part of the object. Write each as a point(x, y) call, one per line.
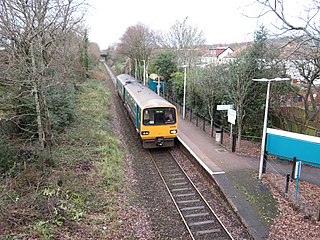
point(170, 116)
point(159, 116)
point(148, 117)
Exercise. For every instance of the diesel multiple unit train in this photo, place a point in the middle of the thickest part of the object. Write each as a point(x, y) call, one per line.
point(155, 119)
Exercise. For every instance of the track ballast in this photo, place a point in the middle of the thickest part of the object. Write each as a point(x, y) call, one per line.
point(197, 215)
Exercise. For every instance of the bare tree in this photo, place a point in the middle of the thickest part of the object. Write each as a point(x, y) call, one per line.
point(94, 53)
point(301, 51)
point(306, 25)
point(137, 43)
point(208, 82)
point(185, 40)
point(37, 39)
point(305, 60)
point(238, 85)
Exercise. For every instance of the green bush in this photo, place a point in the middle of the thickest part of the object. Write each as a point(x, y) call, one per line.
point(62, 102)
point(7, 156)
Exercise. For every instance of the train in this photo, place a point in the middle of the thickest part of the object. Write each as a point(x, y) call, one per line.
point(155, 119)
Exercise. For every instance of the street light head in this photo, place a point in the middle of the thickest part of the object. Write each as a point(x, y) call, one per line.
point(281, 79)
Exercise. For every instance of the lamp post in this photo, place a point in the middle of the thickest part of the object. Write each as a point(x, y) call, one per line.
point(264, 133)
point(184, 92)
point(144, 72)
point(158, 84)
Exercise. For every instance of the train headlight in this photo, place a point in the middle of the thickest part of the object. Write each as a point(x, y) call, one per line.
point(145, 133)
point(173, 131)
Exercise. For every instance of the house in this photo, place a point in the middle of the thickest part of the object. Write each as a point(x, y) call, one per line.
point(216, 55)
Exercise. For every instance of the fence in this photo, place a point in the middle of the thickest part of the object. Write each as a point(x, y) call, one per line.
point(303, 196)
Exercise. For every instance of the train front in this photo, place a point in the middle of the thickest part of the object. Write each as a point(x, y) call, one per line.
point(159, 127)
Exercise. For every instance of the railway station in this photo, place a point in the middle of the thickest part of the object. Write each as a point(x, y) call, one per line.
point(231, 172)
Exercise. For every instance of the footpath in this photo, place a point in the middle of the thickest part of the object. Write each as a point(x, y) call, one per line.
point(237, 177)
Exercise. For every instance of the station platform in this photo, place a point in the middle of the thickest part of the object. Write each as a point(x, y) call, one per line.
point(232, 172)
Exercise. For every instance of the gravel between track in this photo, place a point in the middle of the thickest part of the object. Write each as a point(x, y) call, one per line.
point(145, 210)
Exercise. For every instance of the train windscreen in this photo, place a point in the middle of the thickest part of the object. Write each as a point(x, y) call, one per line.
point(159, 116)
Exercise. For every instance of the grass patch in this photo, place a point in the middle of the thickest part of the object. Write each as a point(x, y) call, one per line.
point(259, 197)
point(76, 197)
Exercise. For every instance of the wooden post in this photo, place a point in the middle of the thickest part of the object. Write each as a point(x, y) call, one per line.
point(197, 120)
point(221, 134)
point(234, 142)
point(293, 168)
point(204, 124)
point(287, 183)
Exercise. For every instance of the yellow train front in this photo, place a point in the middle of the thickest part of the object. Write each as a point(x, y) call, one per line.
point(155, 119)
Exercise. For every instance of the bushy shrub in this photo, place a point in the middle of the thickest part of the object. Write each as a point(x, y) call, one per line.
point(7, 156)
point(62, 103)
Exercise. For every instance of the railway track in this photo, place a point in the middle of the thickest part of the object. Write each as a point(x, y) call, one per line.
point(199, 219)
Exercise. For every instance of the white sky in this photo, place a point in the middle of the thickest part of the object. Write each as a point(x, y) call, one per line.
point(222, 21)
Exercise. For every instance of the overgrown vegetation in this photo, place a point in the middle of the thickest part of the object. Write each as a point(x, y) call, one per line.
point(40, 63)
point(74, 198)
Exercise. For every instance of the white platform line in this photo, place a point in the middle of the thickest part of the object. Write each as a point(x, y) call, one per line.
point(217, 173)
point(198, 159)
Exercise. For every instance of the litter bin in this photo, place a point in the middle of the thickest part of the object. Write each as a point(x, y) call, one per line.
point(218, 135)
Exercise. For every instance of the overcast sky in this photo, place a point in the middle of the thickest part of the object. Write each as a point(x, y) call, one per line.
point(222, 21)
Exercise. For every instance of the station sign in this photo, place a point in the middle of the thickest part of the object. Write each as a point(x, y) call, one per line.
point(232, 116)
point(224, 107)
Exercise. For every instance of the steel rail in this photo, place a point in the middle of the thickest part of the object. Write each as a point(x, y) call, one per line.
point(187, 199)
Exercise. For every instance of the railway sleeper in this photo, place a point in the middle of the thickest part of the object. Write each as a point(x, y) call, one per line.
point(206, 232)
point(201, 214)
point(192, 208)
point(201, 223)
point(180, 189)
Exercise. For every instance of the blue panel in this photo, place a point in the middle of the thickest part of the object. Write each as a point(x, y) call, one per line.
point(154, 83)
point(138, 116)
point(288, 148)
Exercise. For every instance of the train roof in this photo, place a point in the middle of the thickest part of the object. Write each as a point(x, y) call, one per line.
point(143, 96)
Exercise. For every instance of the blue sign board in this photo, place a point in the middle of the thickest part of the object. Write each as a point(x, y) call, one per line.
point(288, 145)
point(153, 85)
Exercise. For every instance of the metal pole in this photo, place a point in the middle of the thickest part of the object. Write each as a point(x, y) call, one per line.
point(184, 93)
point(263, 142)
point(144, 72)
point(231, 134)
point(135, 68)
point(158, 85)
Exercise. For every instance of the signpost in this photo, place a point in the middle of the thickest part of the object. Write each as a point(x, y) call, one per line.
point(297, 176)
point(232, 116)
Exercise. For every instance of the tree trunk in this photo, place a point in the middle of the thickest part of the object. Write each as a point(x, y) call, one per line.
point(48, 130)
point(41, 134)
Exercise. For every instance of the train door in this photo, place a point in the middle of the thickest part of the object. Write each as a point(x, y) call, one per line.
point(138, 118)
